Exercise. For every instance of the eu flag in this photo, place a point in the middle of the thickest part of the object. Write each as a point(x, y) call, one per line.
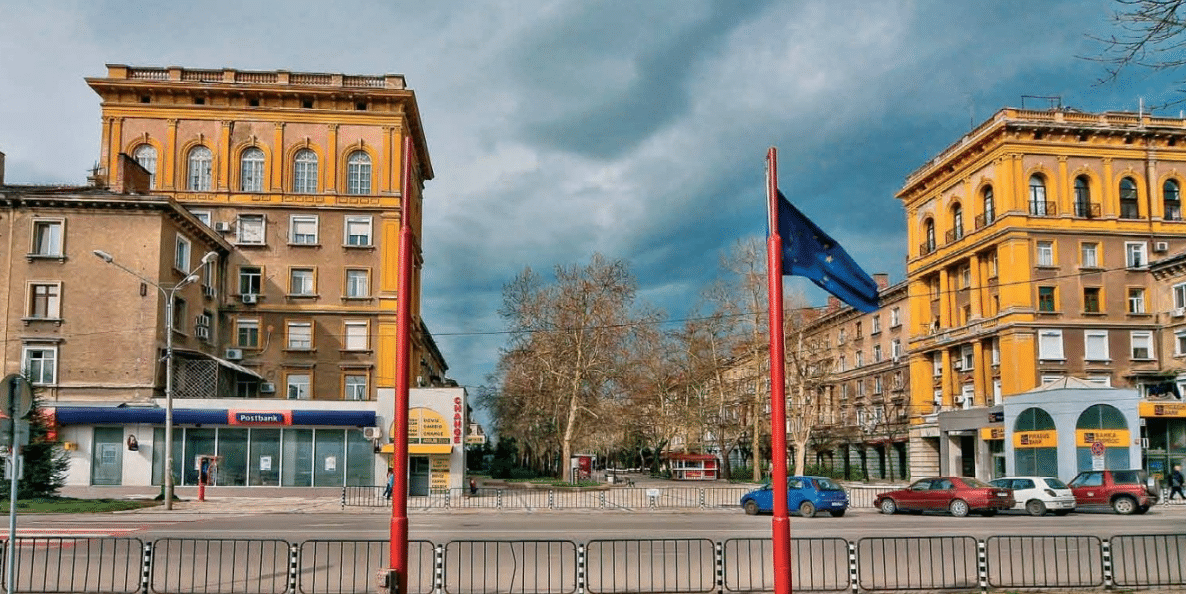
point(808, 251)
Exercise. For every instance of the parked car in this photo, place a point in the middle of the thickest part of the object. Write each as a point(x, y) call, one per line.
point(1125, 491)
point(1037, 494)
point(956, 494)
point(806, 495)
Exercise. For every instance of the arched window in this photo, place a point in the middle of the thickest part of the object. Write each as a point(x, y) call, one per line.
point(929, 227)
point(304, 172)
point(1106, 424)
point(145, 155)
point(1172, 194)
point(990, 213)
point(1038, 205)
point(1128, 199)
point(957, 222)
point(1082, 197)
point(251, 170)
point(358, 173)
point(198, 169)
point(1036, 439)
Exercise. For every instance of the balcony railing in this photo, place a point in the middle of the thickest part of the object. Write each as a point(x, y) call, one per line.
point(954, 235)
point(1087, 210)
point(983, 220)
point(1043, 208)
point(925, 248)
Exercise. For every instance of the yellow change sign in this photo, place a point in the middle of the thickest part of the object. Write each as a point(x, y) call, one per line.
point(428, 433)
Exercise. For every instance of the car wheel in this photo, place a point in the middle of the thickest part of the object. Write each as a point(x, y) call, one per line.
point(1035, 507)
point(751, 508)
point(807, 509)
point(837, 513)
point(959, 508)
point(1061, 512)
point(888, 507)
point(1124, 505)
point(1142, 509)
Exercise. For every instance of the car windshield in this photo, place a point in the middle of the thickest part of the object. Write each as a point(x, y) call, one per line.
point(975, 483)
point(827, 484)
point(1055, 483)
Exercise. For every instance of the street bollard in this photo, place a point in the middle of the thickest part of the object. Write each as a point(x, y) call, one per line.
point(388, 581)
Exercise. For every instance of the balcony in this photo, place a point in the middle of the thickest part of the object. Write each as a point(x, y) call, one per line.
point(953, 236)
point(1087, 210)
point(925, 248)
point(1043, 208)
point(983, 220)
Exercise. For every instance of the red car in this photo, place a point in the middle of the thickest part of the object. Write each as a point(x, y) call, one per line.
point(1125, 491)
point(956, 494)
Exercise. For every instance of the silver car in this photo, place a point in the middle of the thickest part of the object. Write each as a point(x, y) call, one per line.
point(1037, 494)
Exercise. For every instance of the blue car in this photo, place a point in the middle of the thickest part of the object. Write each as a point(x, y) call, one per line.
point(805, 495)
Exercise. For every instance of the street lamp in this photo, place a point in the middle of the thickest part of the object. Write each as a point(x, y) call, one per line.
point(168, 293)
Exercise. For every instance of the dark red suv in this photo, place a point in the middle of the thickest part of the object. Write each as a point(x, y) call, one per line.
point(1125, 491)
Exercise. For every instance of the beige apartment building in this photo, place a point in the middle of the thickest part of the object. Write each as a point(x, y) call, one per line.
point(284, 350)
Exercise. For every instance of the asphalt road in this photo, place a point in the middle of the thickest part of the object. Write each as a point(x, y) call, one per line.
point(442, 526)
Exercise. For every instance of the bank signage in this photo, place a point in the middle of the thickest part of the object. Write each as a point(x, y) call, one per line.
point(992, 433)
point(1035, 439)
point(1163, 409)
point(258, 417)
point(1085, 438)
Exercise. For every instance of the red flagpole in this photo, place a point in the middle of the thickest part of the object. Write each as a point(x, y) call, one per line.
point(781, 524)
point(403, 316)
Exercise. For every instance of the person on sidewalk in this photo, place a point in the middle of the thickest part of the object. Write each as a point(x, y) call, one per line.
point(390, 483)
point(1176, 482)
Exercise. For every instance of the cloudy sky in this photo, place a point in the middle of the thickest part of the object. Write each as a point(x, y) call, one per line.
point(638, 129)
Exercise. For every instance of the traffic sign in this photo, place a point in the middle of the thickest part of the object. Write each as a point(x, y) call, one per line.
point(1097, 448)
point(16, 391)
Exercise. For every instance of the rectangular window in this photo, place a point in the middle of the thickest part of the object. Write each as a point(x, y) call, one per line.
point(202, 215)
point(877, 384)
point(1180, 296)
point(40, 364)
point(356, 387)
point(358, 231)
point(180, 314)
point(1180, 342)
point(1046, 299)
point(875, 326)
point(965, 277)
point(303, 229)
point(857, 333)
point(1091, 299)
point(896, 349)
point(247, 333)
point(840, 336)
point(1050, 345)
point(1134, 254)
point(968, 395)
point(937, 364)
point(298, 386)
point(47, 238)
point(356, 336)
point(934, 287)
point(895, 320)
point(876, 353)
point(967, 357)
point(250, 280)
point(996, 351)
point(357, 284)
point(45, 301)
point(1095, 345)
point(300, 336)
point(840, 363)
point(860, 359)
point(860, 388)
point(996, 392)
point(181, 254)
point(250, 230)
point(1142, 344)
point(300, 282)
point(992, 264)
point(1101, 380)
point(1090, 255)
point(1045, 253)
point(1136, 300)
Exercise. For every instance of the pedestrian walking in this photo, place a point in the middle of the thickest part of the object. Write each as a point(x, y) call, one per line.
point(390, 483)
point(1176, 482)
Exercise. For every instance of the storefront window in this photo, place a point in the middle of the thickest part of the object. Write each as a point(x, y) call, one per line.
point(297, 470)
point(107, 456)
point(330, 458)
point(265, 462)
point(232, 446)
point(1104, 423)
point(1035, 444)
point(198, 442)
point(360, 460)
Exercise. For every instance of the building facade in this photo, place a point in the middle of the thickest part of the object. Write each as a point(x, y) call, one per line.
point(1028, 262)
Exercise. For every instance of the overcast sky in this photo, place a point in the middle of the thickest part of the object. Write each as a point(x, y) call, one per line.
point(637, 129)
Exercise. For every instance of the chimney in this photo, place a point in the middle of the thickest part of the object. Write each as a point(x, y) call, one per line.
point(130, 177)
point(882, 280)
point(833, 303)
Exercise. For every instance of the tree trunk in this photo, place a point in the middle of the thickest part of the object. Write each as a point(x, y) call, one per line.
point(566, 449)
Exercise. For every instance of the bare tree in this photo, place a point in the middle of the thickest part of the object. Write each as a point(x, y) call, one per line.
point(747, 263)
point(808, 366)
point(569, 336)
point(1149, 35)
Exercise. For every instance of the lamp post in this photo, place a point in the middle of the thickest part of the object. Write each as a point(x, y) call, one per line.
point(168, 293)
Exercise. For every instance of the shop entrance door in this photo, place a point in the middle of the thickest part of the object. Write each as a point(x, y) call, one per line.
point(107, 457)
point(419, 477)
point(968, 455)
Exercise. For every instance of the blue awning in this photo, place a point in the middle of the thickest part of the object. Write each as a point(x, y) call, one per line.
point(101, 415)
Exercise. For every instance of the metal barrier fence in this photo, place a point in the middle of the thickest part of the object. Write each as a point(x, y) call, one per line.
point(692, 565)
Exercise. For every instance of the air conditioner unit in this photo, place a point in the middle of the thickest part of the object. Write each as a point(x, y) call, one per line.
point(1161, 246)
point(234, 354)
point(938, 401)
point(208, 291)
point(959, 399)
point(267, 388)
point(202, 332)
point(1179, 312)
point(372, 432)
point(202, 320)
point(222, 227)
point(249, 298)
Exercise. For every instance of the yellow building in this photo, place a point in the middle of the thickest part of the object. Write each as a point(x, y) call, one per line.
point(301, 172)
point(1029, 245)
